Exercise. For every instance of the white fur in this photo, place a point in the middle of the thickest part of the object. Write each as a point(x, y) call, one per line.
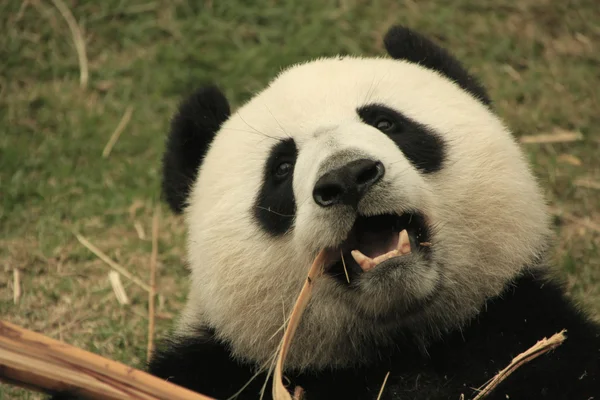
point(486, 208)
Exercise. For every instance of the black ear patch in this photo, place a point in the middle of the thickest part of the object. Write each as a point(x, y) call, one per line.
point(404, 44)
point(192, 130)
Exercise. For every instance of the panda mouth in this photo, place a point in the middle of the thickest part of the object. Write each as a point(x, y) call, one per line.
point(377, 241)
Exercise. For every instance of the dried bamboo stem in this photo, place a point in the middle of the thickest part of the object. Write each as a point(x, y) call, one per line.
point(111, 263)
point(34, 361)
point(16, 285)
point(279, 390)
point(117, 286)
point(117, 132)
point(558, 136)
point(541, 347)
point(383, 385)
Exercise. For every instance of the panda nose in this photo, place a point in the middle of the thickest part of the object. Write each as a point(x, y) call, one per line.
point(348, 184)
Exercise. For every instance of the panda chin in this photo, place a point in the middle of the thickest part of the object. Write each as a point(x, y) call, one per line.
point(378, 242)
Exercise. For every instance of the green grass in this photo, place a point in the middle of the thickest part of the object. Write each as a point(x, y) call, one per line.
point(539, 60)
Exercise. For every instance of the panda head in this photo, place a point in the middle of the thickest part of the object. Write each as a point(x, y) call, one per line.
point(343, 154)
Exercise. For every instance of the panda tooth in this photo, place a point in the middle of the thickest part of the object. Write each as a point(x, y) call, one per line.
point(403, 243)
point(386, 256)
point(365, 263)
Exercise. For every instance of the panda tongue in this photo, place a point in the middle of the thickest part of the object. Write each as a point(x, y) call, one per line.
point(397, 245)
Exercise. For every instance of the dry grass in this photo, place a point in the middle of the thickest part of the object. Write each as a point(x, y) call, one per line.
point(78, 40)
point(118, 130)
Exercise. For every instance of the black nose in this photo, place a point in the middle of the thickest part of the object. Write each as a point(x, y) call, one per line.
point(347, 184)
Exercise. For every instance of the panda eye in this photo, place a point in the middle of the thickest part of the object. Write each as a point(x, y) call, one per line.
point(384, 124)
point(283, 170)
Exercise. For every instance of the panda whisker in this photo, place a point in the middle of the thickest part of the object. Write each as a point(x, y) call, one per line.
point(275, 212)
point(399, 161)
point(276, 120)
point(370, 91)
point(254, 133)
point(374, 84)
point(256, 130)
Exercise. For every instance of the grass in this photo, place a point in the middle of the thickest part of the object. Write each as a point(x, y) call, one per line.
point(539, 61)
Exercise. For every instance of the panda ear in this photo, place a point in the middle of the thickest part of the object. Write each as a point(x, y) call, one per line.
point(193, 128)
point(402, 43)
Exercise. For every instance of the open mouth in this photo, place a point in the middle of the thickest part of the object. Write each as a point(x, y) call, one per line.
point(377, 241)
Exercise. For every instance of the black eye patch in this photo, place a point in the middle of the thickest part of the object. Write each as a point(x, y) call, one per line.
point(275, 205)
point(424, 148)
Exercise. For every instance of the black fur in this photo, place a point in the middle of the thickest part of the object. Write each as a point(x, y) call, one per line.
point(193, 128)
point(422, 146)
point(275, 205)
point(405, 44)
point(527, 311)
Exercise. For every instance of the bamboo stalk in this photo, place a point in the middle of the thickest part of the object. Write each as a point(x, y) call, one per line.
point(34, 361)
point(541, 347)
point(279, 390)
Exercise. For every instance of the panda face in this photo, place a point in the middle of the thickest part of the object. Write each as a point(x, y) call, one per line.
point(353, 154)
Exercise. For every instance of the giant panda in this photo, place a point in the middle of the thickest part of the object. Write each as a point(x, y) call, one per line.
point(344, 154)
point(361, 156)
